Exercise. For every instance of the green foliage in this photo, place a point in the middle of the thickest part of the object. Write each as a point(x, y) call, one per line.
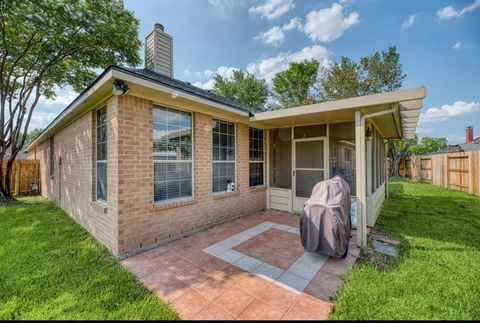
point(380, 72)
point(341, 81)
point(52, 269)
point(242, 88)
point(296, 85)
point(435, 276)
point(32, 135)
point(428, 145)
point(48, 44)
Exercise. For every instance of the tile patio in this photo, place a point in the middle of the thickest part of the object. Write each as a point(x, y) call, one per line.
point(251, 268)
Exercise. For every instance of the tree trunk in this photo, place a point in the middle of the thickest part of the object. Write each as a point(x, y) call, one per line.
point(5, 189)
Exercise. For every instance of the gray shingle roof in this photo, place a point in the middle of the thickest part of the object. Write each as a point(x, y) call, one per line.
point(186, 87)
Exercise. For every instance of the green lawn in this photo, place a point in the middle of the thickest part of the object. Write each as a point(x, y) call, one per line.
point(437, 274)
point(50, 268)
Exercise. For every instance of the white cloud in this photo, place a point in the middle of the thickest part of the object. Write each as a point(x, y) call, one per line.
point(187, 72)
point(329, 24)
point(64, 97)
point(457, 45)
point(294, 23)
point(208, 73)
point(225, 8)
point(424, 131)
point(224, 71)
point(450, 12)
point(448, 111)
point(272, 9)
point(41, 119)
point(275, 36)
point(268, 67)
point(410, 21)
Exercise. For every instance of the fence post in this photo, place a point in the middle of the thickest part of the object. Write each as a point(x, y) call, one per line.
point(17, 178)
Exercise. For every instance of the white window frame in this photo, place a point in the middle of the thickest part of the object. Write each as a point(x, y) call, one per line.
point(166, 161)
point(256, 161)
point(226, 161)
point(102, 161)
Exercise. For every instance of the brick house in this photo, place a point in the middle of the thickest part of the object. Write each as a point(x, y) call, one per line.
point(140, 158)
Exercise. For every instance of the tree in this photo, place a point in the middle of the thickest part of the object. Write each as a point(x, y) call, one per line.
point(428, 145)
point(242, 88)
point(296, 85)
point(341, 81)
point(398, 151)
point(45, 45)
point(32, 135)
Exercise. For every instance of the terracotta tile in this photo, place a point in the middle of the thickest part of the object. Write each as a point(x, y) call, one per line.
point(179, 266)
point(198, 257)
point(230, 275)
point(190, 304)
point(193, 277)
point(278, 297)
point(258, 310)
point(308, 308)
point(134, 261)
point(253, 285)
point(324, 285)
point(234, 301)
point(170, 289)
point(159, 276)
point(213, 313)
point(214, 265)
point(211, 288)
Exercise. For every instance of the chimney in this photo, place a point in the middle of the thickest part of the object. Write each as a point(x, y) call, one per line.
point(159, 51)
point(469, 135)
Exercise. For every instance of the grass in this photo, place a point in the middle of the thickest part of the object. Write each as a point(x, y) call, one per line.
point(437, 273)
point(50, 268)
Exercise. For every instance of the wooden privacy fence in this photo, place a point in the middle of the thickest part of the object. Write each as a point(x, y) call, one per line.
point(458, 171)
point(24, 173)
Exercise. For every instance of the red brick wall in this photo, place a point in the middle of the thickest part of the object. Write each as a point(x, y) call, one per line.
point(131, 221)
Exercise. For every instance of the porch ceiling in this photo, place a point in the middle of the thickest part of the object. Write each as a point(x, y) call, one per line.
point(398, 124)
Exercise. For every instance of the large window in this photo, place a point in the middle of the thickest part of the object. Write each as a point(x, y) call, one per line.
point(102, 154)
point(172, 154)
point(223, 155)
point(256, 157)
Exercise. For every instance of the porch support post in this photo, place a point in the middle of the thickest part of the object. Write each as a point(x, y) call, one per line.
point(361, 179)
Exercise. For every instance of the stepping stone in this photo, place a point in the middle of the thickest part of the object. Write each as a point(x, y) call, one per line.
point(385, 249)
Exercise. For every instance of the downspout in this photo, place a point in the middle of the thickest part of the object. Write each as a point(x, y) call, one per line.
point(361, 171)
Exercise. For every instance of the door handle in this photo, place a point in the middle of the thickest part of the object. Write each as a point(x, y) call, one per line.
point(293, 173)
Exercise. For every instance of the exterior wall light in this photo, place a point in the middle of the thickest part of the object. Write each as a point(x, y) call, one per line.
point(368, 134)
point(120, 88)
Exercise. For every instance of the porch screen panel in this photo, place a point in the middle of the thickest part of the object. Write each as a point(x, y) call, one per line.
point(223, 146)
point(172, 154)
point(309, 166)
point(280, 152)
point(256, 155)
point(101, 191)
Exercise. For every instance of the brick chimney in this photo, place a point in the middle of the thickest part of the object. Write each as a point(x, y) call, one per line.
point(469, 135)
point(159, 51)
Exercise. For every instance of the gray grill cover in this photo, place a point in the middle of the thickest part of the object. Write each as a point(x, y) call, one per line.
point(325, 220)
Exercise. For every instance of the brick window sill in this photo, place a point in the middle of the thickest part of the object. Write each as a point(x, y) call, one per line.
point(99, 206)
point(171, 205)
point(223, 195)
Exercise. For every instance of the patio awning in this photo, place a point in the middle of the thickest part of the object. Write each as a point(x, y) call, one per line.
point(400, 123)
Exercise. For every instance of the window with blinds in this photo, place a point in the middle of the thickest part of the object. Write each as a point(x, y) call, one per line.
point(256, 157)
point(223, 136)
point(172, 154)
point(102, 154)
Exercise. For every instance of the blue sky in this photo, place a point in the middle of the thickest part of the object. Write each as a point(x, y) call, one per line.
point(439, 44)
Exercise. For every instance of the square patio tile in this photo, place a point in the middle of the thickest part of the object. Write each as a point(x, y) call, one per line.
point(190, 304)
point(248, 263)
point(293, 282)
point(308, 308)
point(253, 285)
point(278, 297)
point(258, 310)
point(230, 256)
point(213, 313)
point(234, 301)
point(268, 272)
